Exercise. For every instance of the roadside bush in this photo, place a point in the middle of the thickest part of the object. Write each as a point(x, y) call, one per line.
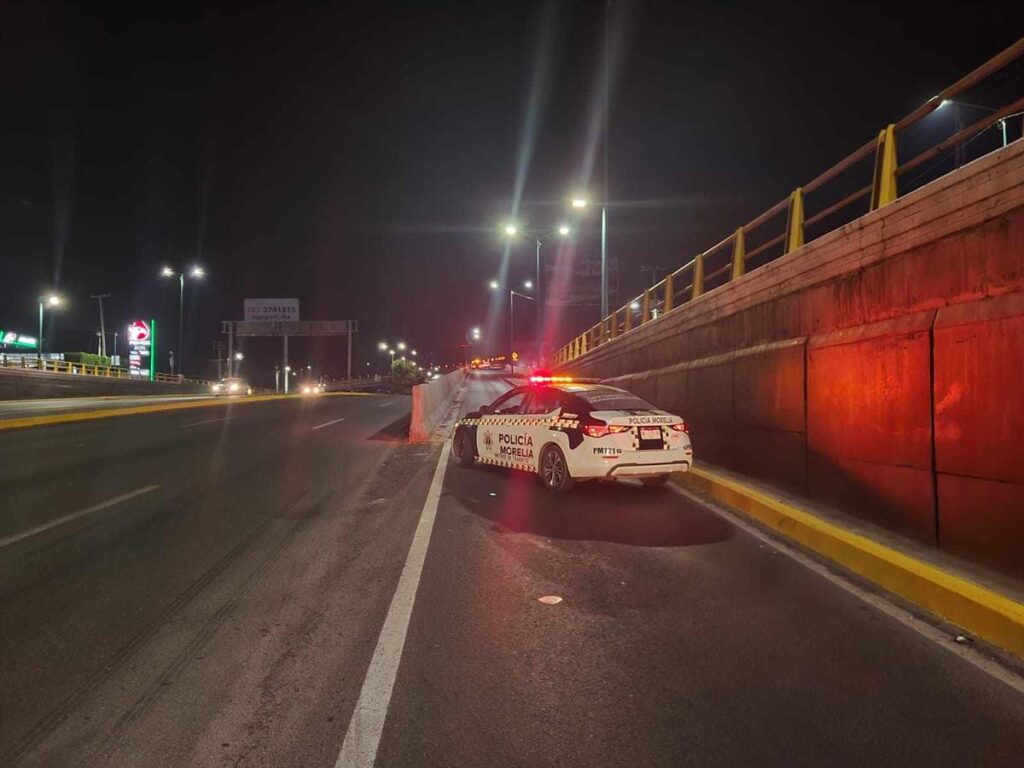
point(87, 358)
point(405, 375)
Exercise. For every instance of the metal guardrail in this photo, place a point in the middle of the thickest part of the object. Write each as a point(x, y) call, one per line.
point(45, 365)
point(692, 279)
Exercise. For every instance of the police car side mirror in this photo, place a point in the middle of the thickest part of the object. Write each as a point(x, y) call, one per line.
point(484, 409)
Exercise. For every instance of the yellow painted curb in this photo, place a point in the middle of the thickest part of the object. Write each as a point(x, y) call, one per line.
point(107, 413)
point(980, 611)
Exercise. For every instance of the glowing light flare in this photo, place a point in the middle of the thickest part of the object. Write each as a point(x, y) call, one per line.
point(564, 230)
point(579, 203)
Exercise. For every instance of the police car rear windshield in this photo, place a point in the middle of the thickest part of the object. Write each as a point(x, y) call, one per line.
point(609, 399)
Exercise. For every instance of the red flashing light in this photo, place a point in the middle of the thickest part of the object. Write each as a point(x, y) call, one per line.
point(546, 378)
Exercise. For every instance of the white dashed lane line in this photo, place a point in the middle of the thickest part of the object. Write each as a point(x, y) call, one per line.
point(16, 537)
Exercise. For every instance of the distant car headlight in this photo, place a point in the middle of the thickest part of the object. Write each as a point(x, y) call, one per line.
point(216, 387)
point(306, 390)
point(233, 387)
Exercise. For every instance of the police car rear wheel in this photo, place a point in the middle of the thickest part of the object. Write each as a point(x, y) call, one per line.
point(554, 471)
point(464, 449)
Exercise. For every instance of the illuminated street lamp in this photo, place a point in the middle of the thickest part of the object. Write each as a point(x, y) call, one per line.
point(239, 356)
point(562, 230)
point(401, 346)
point(413, 353)
point(196, 272)
point(495, 285)
point(580, 202)
point(382, 346)
point(52, 301)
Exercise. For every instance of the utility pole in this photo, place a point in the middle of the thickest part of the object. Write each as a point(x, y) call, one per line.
point(218, 356)
point(103, 329)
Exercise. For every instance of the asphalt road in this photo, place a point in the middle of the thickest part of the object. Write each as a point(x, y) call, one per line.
point(228, 615)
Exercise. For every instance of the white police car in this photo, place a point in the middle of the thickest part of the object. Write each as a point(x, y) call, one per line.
point(567, 430)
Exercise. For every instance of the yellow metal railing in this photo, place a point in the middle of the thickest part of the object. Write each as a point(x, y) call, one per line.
point(693, 278)
point(29, 363)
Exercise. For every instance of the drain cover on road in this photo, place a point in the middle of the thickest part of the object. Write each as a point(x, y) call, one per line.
point(549, 599)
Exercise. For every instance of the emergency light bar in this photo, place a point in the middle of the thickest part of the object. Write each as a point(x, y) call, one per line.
point(544, 379)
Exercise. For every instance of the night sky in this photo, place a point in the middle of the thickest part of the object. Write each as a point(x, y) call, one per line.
point(363, 157)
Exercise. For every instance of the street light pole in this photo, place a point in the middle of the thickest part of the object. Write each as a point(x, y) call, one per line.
point(103, 330)
point(196, 271)
point(181, 320)
point(604, 262)
point(54, 301)
point(39, 345)
point(511, 326)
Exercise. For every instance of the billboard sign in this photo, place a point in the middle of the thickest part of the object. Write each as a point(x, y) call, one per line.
point(579, 283)
point(142, 348)
point(17, 340)
point(271, 309)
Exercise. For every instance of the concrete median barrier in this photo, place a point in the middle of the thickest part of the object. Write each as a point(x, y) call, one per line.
point(430, 403)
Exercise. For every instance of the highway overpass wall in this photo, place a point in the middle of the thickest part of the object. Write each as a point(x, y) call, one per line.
point(880, 368)
point(18, 384)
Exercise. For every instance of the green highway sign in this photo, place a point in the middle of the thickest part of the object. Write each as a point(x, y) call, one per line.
point(17, 340)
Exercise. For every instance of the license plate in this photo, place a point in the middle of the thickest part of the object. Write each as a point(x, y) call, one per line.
point(650, 433)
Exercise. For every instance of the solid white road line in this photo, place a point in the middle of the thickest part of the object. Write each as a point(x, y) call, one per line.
point(893, 611)
point(75, 515)
point(328, 423)
point(205, 421)
point(359, 750)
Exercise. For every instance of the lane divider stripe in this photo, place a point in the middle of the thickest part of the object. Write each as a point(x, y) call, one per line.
point(14, 538)
point(362, 739)
point(328, 423)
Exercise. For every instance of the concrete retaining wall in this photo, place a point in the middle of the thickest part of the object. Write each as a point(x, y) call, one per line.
point(18, 384)
point(879, 368)
point(431, 401)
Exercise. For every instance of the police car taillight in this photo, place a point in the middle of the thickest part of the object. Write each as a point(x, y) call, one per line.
point(681, 427)
point(597, 428)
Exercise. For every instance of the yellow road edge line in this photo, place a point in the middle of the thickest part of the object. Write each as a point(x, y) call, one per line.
point(980, 611)
point(108, 413)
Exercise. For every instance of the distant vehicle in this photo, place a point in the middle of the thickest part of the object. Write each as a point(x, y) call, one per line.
point(568, 431)
point(311, 388)
point(232, 386)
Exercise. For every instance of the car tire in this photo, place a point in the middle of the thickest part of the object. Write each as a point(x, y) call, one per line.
point(554, 470)
point(465, 451)
point(657, 481)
